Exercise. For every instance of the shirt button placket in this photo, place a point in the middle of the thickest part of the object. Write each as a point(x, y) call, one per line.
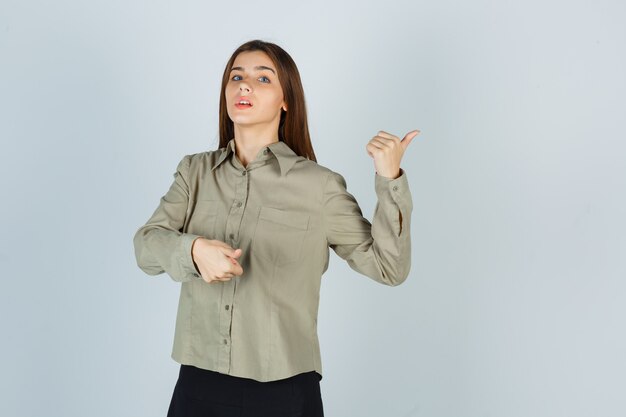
point(225, 325)
point(233, 223)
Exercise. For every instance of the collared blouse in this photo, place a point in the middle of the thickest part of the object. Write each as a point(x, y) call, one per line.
point(284, 211)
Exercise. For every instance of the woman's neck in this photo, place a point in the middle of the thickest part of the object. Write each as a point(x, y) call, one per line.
point(248, 144)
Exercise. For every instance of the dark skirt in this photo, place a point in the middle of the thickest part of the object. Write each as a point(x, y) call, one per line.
point(203, 393)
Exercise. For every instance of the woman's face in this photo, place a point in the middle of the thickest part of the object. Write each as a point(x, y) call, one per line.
point(254, 77)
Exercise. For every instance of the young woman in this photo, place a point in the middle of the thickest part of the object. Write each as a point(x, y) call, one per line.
point(246, 230)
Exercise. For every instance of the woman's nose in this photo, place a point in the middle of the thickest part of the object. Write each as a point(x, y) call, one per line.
point(244, 88)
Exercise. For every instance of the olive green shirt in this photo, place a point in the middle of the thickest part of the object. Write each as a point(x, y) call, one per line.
point(284, 211)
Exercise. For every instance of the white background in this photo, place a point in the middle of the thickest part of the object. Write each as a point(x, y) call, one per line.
point(515, 301)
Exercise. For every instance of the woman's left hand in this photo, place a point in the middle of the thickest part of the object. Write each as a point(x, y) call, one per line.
point(387, 151)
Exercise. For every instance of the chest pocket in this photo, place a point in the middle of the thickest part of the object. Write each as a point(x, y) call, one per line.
point(203, 218)
point(279, 235)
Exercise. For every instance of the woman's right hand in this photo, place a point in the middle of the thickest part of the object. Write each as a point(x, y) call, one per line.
point(215, 260)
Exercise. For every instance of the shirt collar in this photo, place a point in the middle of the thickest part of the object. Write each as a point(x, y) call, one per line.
point(284, 154)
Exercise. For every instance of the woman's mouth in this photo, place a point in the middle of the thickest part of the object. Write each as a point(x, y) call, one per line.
point(243, 103)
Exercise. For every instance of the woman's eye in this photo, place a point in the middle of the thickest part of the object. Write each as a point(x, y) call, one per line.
point(261, 77)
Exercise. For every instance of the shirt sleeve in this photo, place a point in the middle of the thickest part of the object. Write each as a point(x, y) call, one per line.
point(160, 245)
point(380, 250)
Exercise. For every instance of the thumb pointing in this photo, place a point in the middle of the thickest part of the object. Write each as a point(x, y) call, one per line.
point(409, 137)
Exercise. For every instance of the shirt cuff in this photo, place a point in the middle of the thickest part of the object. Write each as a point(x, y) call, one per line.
point(388, 189)
point(186, 259)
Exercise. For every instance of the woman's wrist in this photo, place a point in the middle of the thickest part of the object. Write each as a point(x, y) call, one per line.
point(193, 245)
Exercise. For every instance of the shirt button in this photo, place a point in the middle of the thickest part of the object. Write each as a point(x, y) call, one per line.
point(243, 172)
point(227, 307)
point(238, 203)
point(265, 151)
point(232, 235)
point(195, 275)
point(395, 188)
point(225, 341)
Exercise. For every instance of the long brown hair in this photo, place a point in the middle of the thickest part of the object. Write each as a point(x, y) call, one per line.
point(293, 128)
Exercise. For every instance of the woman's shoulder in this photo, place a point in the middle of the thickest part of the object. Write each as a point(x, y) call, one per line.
point(204, 158)
point(311, 168)
point(318, 169)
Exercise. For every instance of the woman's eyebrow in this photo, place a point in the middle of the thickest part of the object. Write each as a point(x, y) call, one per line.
point(258, 68)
